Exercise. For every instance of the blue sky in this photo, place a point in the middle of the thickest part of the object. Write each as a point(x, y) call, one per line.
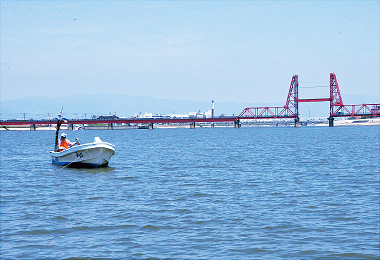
point(242, 51)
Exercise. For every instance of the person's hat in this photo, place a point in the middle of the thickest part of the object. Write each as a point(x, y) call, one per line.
point(63, 135)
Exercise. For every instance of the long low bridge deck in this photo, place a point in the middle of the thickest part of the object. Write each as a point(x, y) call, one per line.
point(120, 121)
point(247, 114)
point(132, 121)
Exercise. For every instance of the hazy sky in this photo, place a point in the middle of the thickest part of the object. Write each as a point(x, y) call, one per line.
point(243, 51)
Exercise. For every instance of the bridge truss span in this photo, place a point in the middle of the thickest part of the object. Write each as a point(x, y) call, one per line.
point(361, 110)
point(266, 113)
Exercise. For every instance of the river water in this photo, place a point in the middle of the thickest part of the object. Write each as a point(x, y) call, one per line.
point(263, 193)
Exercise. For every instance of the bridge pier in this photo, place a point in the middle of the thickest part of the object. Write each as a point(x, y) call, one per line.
point(237, 123)
point(192, 125)
point(331, 121)
point(296, 122)
point(110, 126)
point(150, 126)
point(32, 127)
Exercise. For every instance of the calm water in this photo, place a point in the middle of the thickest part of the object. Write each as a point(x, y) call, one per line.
point(264, 193)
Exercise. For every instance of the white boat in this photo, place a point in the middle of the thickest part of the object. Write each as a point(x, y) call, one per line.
point(96, 154)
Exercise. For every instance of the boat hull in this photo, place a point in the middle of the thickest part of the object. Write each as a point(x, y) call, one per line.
point(93, 155)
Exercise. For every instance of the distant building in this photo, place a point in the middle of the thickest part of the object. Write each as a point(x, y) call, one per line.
point(151, 116)
point(200, 114)
point(172, 116)
point(106, 117)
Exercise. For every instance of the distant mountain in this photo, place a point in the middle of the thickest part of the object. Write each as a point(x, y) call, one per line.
point(80, 106)
point(103, 104)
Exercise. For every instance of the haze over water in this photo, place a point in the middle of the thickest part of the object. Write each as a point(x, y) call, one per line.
point(263, 193)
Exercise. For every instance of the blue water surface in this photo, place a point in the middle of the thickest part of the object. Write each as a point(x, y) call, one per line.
point(262, 193)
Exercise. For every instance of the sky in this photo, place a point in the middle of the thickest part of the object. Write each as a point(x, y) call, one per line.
point(238, 51)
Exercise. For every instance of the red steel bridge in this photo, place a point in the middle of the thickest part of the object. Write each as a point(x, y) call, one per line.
point(289, 110)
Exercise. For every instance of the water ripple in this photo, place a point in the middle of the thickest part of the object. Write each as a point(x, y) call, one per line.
point(249, 193)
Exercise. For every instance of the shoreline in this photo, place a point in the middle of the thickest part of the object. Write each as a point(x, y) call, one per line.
point(354, 122)
point(337, 123)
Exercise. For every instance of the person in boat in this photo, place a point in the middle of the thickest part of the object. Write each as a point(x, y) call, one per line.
point(64, 143)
